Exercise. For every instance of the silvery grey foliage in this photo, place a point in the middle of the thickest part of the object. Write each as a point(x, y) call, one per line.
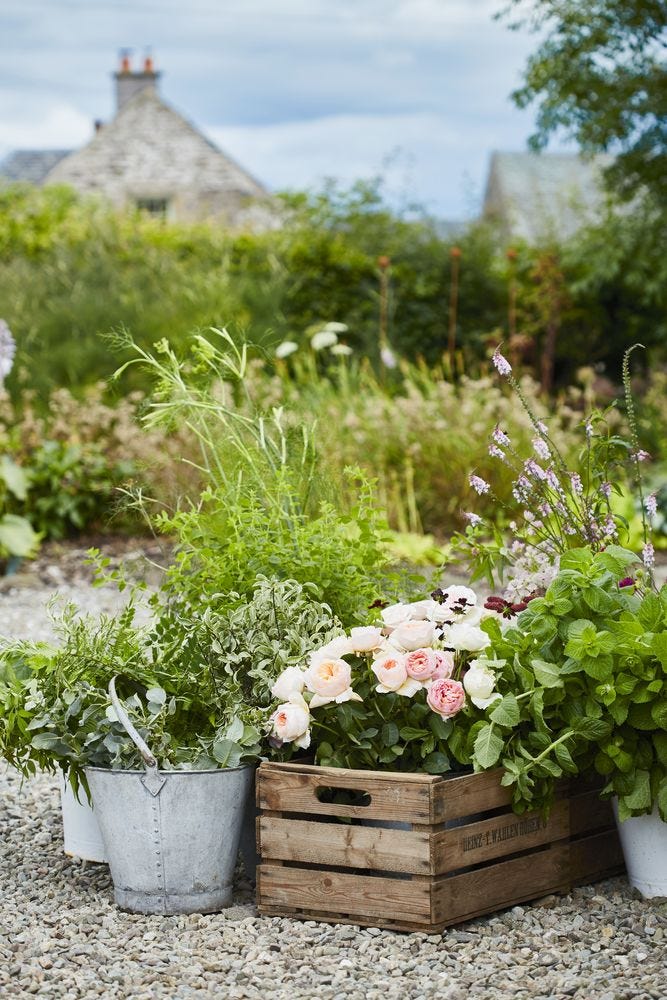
point(277, 628)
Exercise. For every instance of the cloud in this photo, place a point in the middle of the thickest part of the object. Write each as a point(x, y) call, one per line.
point(58, 126)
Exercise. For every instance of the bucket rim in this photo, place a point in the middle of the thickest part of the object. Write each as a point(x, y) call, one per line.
point(167, 774)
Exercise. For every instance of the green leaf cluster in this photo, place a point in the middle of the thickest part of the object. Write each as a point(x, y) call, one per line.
point(586, 680)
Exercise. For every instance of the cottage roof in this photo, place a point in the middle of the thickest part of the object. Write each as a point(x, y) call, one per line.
point(543, 195)
point(150, 150)
point(30, 165)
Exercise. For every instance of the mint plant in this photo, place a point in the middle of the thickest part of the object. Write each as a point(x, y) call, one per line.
point(584, 674)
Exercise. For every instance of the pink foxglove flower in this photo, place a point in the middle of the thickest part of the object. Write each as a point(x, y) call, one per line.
point(479, 485)
point(541, 449)
point(648, 556)
point(501, 364)
point(500, 437)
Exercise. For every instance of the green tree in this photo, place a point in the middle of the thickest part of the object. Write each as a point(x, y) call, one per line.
point(600, 76)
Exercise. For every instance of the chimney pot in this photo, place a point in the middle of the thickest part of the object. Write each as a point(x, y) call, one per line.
point(148, 65)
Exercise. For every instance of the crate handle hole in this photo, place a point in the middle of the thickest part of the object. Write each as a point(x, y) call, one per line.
point(342, 796)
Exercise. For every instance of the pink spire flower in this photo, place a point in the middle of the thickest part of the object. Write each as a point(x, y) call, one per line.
point(648, 556)
point(651, 505)
point(501, 364)
point(479, 485)
point(473, 519)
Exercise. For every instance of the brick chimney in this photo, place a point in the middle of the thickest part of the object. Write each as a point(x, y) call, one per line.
point(130, 82)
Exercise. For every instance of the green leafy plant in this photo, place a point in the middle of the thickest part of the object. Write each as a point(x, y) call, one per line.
point(17, 535)
point(586, 665)
point(194, 683)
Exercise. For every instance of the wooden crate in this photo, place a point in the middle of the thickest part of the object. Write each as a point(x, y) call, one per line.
point(423, 852)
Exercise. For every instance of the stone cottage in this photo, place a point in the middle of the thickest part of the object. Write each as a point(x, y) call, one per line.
point(538, 197)
point(149, 156)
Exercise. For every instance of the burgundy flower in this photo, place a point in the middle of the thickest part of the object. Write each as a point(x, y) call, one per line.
point(627, 581)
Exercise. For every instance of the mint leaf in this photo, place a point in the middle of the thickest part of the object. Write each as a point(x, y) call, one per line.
point(488, 747)
point(640, 796)
point(506, 712)
point(547, 674)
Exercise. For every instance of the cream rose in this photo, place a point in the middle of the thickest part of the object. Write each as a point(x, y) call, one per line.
point(392, 675)
point(335, 648)
point(330, 679)
point(421, 664)
point(413, 635)
point(446, 697)
point(479, 683)
point(291, 721)
point(467, 637)
point(366, 639)
point(395, 615)
point(460, 597)
point(291, 681)
point(420, 610)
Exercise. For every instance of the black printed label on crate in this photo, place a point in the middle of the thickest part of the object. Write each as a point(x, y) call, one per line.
point(498, 835)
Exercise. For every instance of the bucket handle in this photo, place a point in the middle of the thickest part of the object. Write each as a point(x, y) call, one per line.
point(153, 781)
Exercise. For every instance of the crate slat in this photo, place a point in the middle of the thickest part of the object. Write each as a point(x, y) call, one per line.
point(339, 844)
point(295, 791)
point(339, 893)
point(491, 838)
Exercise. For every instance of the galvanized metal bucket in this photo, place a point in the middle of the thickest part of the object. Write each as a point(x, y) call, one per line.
point(81, 831)
point(171, 837)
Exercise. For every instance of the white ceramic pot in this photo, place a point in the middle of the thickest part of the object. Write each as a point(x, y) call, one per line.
point(82, 833)
point(644, 843)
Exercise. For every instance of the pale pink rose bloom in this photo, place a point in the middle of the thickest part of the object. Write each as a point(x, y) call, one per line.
point(366, 638)
point(291, 681)
point(290, 722)
point(421, 664)
point(413, 635)
point(390, 672)
point(330, 680)
point(395, 615)
point(340, 646)
point(445, 664)
point(328, 676)
point(446, 697)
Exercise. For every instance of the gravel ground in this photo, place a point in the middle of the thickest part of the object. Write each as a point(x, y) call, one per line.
point(62, 937)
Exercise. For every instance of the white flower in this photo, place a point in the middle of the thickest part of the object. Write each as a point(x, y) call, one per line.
point(7, 350)
point(336, 327)
point(286, 348)
point(291, 681)
point(460, 597)
point(322, 339)
point(479, 485)
point(366, 638)
point(473, 519)
point(396, 614)
point(466, 637)
point(413, 635)
point(340, 646)
point(501, 364)
point(290, 722)
point(388, 357)
point(479, 683)
point(342, 350)
point(421, 610)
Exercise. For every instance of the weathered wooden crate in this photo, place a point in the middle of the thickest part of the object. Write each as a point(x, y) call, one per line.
point(422, 852)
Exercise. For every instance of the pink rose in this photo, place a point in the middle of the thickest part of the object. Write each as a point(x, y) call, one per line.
point(421, 664)
point(445, 665)
point(446, 697)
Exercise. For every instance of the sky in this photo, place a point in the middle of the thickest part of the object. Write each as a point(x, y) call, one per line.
point(416, 91)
